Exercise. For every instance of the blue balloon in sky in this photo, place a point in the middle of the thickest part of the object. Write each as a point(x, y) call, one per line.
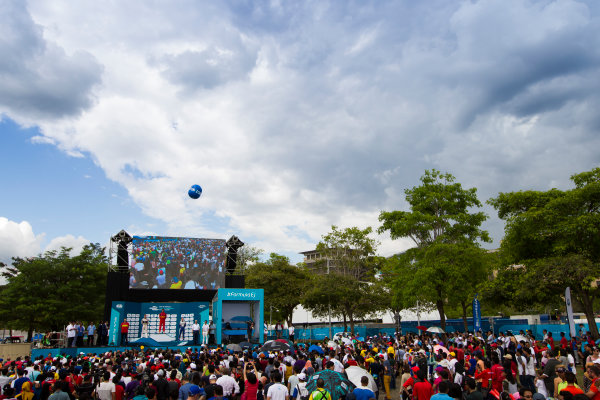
point(195, 192)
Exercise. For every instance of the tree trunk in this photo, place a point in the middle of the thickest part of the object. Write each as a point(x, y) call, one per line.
point(398, 319)
point(351, 316)
point(464, 316)
point(440, 308)
point(588, 309)
point(345, 322)
point(30, 333)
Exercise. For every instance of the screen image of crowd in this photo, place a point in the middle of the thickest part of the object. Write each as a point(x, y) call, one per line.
point(177, 263)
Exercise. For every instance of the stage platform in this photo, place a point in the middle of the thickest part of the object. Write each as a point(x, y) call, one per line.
point(73, 351)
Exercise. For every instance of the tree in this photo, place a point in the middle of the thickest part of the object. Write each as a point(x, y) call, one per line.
point(283, 283)
point(48, 291)
point(247, 255)
point(346, 275)
point(555, 235)
point(445, 233)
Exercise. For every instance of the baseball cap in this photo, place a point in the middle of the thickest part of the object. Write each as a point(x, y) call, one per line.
point(213, 377)
point(194, 390)
point(302, 376)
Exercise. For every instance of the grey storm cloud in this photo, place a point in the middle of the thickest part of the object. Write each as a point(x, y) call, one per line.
point(37, 78)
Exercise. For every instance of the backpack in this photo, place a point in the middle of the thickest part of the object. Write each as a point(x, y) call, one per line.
point(303, 393)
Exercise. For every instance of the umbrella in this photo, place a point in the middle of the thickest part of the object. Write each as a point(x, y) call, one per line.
point(234, 347)
point(335, 383)
point(316, 348)
point(438, 347)
point(435, 329)
point(346, 341)
point(246, 345)
point(281, 340)
point(521, 338)
point(275, 346)
point(332, 344)
point(422, 328)
point(356, 373)
point(360, 339)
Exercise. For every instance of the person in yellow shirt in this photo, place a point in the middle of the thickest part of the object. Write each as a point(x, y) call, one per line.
point(321, 393)
point(175, 283)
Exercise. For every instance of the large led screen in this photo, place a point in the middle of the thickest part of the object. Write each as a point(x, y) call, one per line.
point(177, 263)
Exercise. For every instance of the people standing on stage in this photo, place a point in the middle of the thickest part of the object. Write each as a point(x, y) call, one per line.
point(124, 332)
point(91, 330)
point(196, 331)
point(105, 327)
point(145, 326)
point(212, 331)
point(278, 329)
point(71, 334)
point(182, 325)
point(162, 319)
point(80, 332)
point(249, 328)
point(205, 331)
point(291, 331)
point(266, 330)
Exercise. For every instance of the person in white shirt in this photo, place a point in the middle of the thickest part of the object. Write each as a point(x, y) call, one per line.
point(71, 333)
point(205, 330)
point(229, 385)
point(145, 326)
point(277, 391)
point(291, 332)
point(196, 331)
point(106, 390)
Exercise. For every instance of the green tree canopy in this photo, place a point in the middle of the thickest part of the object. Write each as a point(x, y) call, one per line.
point(284, 284)
point(345, 277)
point(48, 291)
point(447, 261)
point(555, 235)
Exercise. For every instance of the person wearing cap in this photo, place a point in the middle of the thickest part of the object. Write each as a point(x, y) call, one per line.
point(195, 392)
point(212, 384)
point(300, 391)
point(162, 386)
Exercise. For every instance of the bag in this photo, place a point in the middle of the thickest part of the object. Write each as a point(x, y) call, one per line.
point(303, 391)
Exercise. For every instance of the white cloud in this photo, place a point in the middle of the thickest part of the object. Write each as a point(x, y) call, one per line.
point(18, 240)
point(74, 243)
point(300, 115)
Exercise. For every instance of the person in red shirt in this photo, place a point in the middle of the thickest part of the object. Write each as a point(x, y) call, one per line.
point(422, 390)
point(550, 340)
point(124, 332)
point(594, 374)
point(483, 376)
point(497, 373)
point(162, 318)
point(564, 343)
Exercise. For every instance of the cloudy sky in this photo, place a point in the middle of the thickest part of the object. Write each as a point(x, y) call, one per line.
point(292, 115)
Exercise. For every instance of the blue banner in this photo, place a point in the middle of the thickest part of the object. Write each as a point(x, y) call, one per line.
point(167, 332)
point(476, 314)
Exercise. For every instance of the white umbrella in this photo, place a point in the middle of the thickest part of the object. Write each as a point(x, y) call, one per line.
point(332, 344)
point(346, 341)
point(521, 338)
point(435, 329)
point(356, 373)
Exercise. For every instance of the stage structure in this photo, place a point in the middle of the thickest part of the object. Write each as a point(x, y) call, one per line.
point(234, 308)
point(186, 277)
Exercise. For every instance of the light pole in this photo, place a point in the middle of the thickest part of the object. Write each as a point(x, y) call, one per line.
point(329, 307)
